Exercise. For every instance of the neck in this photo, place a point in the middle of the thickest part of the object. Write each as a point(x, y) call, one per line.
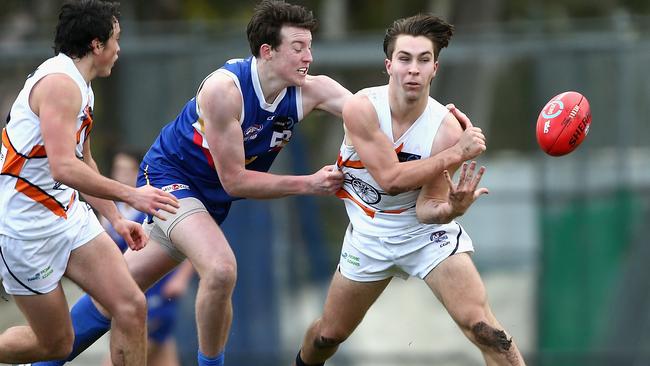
point(403, 109)
point(271, 84)
point(85, 67)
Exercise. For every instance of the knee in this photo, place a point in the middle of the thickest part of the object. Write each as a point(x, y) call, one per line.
point(58, 346)
point(324, 342)
point(328, 338)
point(220, 278)
point(132, 309)
point(490, 338)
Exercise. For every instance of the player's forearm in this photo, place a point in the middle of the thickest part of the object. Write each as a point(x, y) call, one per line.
point(105, 207)
point(411, 175)
point(76, 174)
point(259, 185)
point(435, 212)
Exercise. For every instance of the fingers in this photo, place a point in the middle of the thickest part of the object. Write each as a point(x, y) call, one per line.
point(479, 192)
point(171, 199)
point(465, 123)
point(463, 178)
point(477, 177)
point(129, 240)
point(328, 180)
point(136, 239)
point(449, 181)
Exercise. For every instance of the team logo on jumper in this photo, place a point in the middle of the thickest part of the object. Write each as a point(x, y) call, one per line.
point(252, 132)
point(364, 190)
point(175, 187)
point(439, 237)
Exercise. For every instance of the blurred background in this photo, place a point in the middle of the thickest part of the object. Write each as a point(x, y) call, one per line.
point(559, 242)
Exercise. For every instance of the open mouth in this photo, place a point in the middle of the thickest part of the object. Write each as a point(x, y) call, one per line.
point(303, 70)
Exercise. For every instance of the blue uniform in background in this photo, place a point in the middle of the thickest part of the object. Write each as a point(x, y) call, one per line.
point(179, 161)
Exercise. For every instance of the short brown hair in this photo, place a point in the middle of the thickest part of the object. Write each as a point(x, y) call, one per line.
point(427, 25)
point(268, 18)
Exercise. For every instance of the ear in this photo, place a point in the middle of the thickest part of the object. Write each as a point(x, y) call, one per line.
point(96, 46)
point(435, 69)
point(266, 51)
point(388, 63)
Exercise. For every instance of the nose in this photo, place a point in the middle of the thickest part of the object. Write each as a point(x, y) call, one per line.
point(413, 69)
point(307, 57)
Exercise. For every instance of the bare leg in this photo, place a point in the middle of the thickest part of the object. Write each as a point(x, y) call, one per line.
point(49, 334)
point(458, 286)
point(201, 239)
point(112, 286)
point(346, 304)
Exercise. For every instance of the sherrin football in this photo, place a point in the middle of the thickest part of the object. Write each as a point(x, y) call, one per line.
point(563, 123)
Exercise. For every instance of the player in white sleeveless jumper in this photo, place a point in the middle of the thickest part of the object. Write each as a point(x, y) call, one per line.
point(401, 220)
point(45, 231)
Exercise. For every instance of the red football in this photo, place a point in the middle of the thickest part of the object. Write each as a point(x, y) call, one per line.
point(563, 123)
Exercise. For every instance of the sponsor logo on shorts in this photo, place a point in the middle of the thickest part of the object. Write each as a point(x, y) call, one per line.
point(175, 187)
point(349, 258)
point(42, 274)
point(439, 237)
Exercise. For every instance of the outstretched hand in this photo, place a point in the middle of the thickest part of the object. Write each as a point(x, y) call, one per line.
point(463, 194)
point(132, 232)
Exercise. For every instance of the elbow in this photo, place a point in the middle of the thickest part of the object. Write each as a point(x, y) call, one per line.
point(232, 184)
point(393, 187)
point(229, 187)
point(432, 215)
point(59, 172)
point(389, 183)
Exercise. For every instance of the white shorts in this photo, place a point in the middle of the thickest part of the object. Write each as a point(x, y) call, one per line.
point(370, 258)
point(34, 267)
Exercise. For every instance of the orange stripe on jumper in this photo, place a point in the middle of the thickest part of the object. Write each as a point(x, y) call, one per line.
point(343, 194)
point(86, 124)
point(14, 163)
point(358, 164)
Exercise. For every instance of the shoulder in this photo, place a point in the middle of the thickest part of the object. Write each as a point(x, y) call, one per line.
point(359, 112)
point(56, 88)
point(219, 93)
point(448, 134)
point(323, 87)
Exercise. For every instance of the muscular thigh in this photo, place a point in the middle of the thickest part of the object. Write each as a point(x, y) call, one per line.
point(458, 286)
point(199, 237)
point(100, 270)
